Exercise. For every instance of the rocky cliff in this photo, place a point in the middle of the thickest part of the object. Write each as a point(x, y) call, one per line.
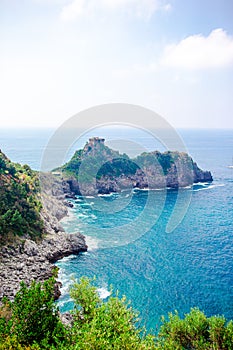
point(28, 249)
point(98, 169)
point(26, 260)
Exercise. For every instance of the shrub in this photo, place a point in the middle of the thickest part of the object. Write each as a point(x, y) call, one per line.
point(31, 322)
point(33, 316)
point(195, 331)
point(105, 325)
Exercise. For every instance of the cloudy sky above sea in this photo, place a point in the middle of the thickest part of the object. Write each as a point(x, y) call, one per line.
point(58, 57)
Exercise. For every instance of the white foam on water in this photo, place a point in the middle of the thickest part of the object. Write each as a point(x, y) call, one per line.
point(201, 184)
point(92, 243)
point(81, 215)
point(103, 293)
point(79, 200)
point(63, 302)
point(187, 187)
point(65, 288)
point(93, 216)
point(66, 281)
point(209, 187)
point(85, 204)
point(107, 194)
point(69, 217)
point(67, 258)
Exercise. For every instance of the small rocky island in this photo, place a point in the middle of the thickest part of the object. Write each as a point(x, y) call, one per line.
point(98, 169)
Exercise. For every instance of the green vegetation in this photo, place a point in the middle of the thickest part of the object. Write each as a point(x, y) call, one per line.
point(96, 161)
point(166, 160)
point(99, 160)
point(196, 331)
point(20, 204)
point(32, 321)
point(93, 163)
point(118, 167)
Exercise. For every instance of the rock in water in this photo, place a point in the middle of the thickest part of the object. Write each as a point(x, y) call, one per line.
point(97, 169)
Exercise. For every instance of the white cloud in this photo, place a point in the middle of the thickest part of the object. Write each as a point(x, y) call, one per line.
point(200, 52)
point(73, 10)
point(137, 8)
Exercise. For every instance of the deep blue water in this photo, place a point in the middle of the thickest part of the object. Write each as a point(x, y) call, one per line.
point(158, 271)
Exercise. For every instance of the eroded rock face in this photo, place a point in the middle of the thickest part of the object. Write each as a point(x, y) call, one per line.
point(105, 170)
point(144, 178)
point(28, 260)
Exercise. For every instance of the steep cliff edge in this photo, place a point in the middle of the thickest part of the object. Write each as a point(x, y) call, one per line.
point(97, 169)
point(31, 237)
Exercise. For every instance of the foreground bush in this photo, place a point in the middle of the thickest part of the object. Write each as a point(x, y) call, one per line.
point(32, 318)
point(196, 331)
point(104, 325)
point(32, 322)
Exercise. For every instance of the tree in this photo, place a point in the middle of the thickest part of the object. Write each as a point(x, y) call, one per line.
point(105, 325)
point(33, 316)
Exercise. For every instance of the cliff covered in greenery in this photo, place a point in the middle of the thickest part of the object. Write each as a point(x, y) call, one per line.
point(31, 237)
point(20, 204)
point(98, 169)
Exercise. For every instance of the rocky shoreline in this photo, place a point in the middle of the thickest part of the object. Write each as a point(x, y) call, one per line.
point(26, 260)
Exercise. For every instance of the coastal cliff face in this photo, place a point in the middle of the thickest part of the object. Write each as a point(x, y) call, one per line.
point(97, 169)
point(26, 260)
point(31, 236)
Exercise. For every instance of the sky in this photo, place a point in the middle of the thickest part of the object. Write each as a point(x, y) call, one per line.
point(59, 57)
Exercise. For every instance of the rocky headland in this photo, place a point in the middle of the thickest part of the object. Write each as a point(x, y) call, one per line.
point(27, 260)
point(31, 255)
point(97, 169)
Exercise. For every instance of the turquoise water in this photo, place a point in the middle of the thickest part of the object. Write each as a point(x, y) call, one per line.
point(161, 272)
point(158, 271)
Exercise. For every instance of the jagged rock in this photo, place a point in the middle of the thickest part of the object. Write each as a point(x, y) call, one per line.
point(108, 171)
point(27, 260)
point(58, 246)
point(66, 318)
point(30, 248)
point(69, 204)
point(57, 292)
point(34, 261)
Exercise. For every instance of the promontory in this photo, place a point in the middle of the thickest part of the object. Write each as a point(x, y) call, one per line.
point(98, 169)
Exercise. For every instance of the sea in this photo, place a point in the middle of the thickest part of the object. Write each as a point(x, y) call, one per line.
point(130, 249)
